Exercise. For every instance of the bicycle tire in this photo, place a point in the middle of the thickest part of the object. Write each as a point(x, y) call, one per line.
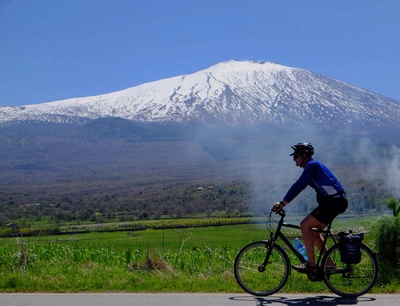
point(248, 274)
point(350, 280)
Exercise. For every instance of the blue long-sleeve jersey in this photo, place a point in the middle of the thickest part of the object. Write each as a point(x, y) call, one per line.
point(317, 176)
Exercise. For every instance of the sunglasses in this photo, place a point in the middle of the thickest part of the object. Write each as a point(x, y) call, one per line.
point(295, 156)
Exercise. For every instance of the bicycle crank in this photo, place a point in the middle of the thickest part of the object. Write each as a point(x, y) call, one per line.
point(315, 276)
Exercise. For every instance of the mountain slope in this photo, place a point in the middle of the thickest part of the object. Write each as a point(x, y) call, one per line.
point(233, 93)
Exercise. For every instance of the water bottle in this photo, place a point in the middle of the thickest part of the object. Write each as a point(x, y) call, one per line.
point(300, 247)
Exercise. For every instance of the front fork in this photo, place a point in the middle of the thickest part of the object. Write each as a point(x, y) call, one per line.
point(269, 246)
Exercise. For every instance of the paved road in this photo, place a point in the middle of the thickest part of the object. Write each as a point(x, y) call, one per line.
point(186, 299)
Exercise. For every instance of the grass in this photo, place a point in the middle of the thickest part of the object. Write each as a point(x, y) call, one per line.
point(198, 259)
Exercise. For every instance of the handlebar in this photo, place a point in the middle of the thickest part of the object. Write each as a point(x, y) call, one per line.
point(280, 210)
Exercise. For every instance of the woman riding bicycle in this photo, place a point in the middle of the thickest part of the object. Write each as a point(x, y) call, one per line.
point(331, 199)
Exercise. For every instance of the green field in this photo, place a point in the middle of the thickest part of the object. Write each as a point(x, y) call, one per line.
point(194, 233)
point(190, 259)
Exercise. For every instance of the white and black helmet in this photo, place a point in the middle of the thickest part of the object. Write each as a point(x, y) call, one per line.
point(303, 148)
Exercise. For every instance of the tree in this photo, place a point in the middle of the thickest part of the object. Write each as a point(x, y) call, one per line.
point(393, 204)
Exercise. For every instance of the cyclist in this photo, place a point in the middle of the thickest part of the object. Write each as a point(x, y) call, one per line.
point(331, 199)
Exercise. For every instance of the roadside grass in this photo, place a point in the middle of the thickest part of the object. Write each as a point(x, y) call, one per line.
point(62, 268)
point(198, 259)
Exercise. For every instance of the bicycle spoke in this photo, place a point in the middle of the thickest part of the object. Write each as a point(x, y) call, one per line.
point(351, 280)
point(248, 274)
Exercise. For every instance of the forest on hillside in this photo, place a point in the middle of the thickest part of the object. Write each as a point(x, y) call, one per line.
point(202, 199)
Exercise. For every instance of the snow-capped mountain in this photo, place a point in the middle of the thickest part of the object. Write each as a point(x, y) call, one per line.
point(237, 93)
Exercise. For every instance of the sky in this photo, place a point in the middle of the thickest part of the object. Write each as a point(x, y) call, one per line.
point(58, 49)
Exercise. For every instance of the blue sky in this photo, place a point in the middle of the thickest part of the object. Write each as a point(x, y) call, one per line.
point(58, 49)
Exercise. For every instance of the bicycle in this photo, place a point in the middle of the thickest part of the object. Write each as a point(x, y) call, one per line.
point(262, 268)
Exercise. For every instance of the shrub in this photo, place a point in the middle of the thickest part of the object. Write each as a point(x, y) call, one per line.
point(387, 239)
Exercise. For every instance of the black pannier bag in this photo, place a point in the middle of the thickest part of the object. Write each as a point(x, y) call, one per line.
point(350, 247)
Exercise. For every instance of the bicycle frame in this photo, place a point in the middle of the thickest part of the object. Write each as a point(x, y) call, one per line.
point(278, 234)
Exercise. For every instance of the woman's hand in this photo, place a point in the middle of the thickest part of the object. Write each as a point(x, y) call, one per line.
point(278, 206)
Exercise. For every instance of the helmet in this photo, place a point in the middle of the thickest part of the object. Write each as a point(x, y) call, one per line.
point(303, 148)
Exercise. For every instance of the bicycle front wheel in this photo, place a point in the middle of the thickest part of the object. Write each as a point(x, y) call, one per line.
point(350, 280)
point(255, 277)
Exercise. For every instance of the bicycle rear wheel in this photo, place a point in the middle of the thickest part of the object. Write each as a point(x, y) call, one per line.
point(257, 279)
point(350, 280)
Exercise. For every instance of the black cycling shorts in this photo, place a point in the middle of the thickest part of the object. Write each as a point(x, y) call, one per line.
point(329, 208)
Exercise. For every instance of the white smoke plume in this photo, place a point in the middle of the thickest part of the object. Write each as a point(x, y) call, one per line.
point(392, 166)
point(380, 164)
